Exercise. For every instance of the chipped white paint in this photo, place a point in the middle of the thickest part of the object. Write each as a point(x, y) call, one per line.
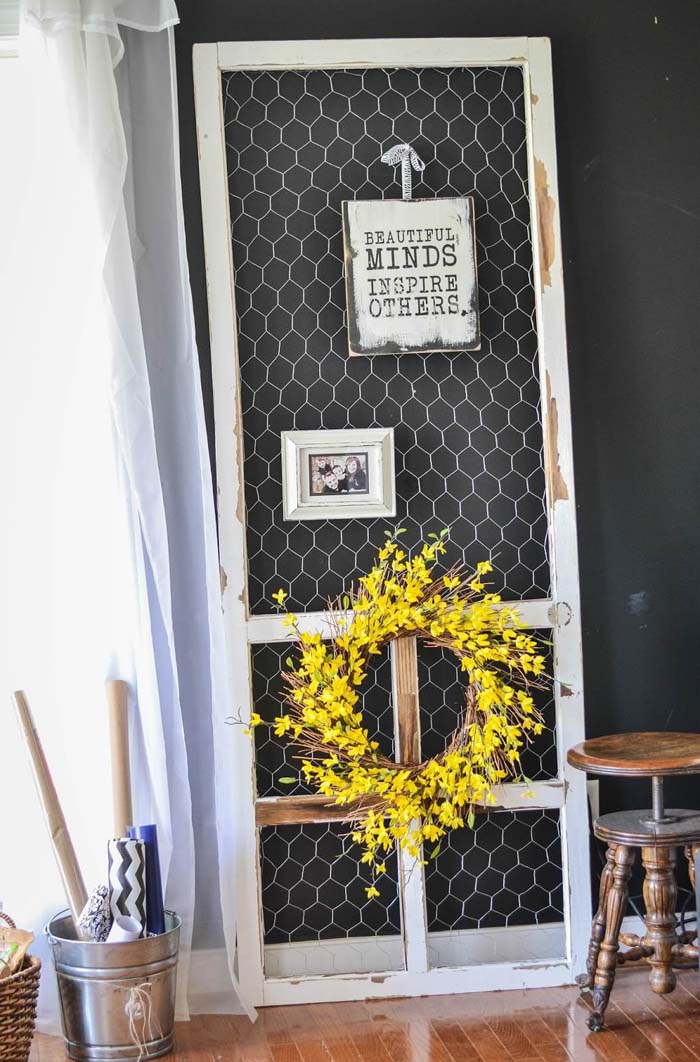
point(554, 383)
point(568, 791)
point(538, 615)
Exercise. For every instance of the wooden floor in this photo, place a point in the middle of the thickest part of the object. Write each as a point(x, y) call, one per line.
point(528, 1026)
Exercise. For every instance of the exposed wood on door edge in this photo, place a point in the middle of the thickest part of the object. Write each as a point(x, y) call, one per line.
point(558, 490)
point(546, 210)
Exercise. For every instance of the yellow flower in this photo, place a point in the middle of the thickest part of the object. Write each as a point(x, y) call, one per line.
point(372, 892)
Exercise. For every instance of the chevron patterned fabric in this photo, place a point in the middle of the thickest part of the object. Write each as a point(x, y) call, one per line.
point(127, 879)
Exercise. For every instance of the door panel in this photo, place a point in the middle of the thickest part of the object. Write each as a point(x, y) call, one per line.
point(288, 130)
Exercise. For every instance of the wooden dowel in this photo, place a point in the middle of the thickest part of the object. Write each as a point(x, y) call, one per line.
point(68, 866)
point(404, 673)
point(117, 703)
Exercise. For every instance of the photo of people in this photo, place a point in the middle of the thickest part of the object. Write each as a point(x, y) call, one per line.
point(338, 474)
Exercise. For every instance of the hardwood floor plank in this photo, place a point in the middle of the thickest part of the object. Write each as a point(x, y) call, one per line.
point(634, 1005)
point(285, 1052)
point(367, 1041)
point(314, 1051)
point(634, 1037)
point(522, 1026)
point(397, 1040)
point(554, 1052)
point(485, 1041)
point(455, 1040)
point(511, 1032)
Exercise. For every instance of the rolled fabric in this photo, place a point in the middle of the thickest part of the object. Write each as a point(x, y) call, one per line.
point(123, 930)
point(155, 914)
point(127, 879)
point(96, 917)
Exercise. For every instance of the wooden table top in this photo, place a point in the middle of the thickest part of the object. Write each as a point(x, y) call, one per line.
point(639, 755)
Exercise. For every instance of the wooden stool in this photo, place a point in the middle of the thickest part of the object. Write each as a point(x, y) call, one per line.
point(658, 832)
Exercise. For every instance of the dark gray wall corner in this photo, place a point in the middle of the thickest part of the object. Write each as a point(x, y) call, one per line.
point(627, 85)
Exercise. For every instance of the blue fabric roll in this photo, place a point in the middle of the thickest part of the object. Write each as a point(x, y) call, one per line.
point(155, 914)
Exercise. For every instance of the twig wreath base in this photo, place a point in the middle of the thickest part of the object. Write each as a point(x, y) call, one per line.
point(413, 805)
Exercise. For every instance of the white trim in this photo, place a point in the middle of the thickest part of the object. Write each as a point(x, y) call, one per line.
point(540, 615)
point(482, 977)
point(487, 948)
point(408, 51)
point(213, 993)
point(532, 55)
point(556, 410)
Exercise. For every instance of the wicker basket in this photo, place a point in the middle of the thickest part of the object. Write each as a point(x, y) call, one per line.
point(18, 995)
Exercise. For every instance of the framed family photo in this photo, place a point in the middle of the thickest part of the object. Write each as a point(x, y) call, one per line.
point(338, 475)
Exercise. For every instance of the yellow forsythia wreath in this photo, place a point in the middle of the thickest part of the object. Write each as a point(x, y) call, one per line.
point(411, 803)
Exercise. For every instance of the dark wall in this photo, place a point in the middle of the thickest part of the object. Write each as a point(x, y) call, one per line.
point(627, 85)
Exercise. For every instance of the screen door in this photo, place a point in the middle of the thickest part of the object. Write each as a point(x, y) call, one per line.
point(287, 131)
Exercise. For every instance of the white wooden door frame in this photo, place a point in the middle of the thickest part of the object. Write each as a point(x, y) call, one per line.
point(560, 613)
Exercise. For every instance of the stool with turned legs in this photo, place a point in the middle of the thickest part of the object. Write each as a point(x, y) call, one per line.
point(658, 833)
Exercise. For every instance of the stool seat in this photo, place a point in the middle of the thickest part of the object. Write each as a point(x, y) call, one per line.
point(638, 828)
point(638, 755)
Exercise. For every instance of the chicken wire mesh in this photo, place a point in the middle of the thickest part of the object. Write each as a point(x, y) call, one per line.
point(505, 872)
point(313, 886)
point(276, 759)
point(467, 426)
point(442, 687)
point(468, 437)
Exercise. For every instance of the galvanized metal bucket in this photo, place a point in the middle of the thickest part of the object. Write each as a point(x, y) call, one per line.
point(117, 1000)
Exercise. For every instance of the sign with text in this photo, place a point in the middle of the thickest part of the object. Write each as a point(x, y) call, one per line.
point(410, 275)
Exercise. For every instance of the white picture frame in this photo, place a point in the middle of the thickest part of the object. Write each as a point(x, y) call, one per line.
point(338, 475)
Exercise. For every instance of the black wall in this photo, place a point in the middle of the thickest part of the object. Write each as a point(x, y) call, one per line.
point(627, 85)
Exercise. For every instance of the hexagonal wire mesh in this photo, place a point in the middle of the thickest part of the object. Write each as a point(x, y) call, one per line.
point(467, 427)
point(276, 760)
point(442, 689)
point(468, 430)
point(506, 872)
point(313, 890)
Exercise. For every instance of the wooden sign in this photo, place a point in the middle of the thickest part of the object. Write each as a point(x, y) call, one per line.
point(410, 275)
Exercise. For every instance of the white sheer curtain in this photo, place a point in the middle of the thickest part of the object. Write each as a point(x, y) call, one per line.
point(106, 358)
